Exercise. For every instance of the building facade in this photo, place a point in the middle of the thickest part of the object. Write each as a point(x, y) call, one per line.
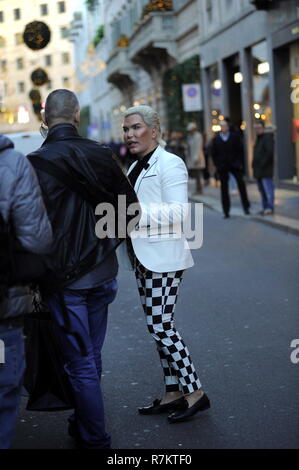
point(17, 61)
point(249, 59)
point(137, 48)
point(245, 52)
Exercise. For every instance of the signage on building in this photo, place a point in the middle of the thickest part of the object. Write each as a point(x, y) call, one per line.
point(192, 97)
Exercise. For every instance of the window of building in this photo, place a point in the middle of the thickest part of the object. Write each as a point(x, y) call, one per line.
point(61, 7)
point(17, 13)
point(65, 58)
point(21, 87)
point(20, 63)
point(3, 66)
point(43, 9)
point(49, 85)
point(2, 41)
point(66, 82)
point(48, 60)
point(177, 4)
point(19, 38)
point(209, 8)
point(1, 16)
point(63, 32)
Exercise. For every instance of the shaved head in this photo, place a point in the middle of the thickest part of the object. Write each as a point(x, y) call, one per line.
point(61, 106)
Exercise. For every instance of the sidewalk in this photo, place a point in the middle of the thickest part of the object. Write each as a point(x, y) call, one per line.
point(286, 206)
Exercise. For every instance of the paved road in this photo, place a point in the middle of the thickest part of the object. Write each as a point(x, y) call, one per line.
point(238, 313)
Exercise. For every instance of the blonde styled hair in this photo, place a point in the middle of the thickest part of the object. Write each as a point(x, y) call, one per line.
point(150, 117)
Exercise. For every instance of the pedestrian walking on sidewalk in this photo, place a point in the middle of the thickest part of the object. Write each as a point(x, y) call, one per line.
point(195, 156)
point(22, 209)
point(83, 265)
point(159, 254)
point(227, 154)
point(263, 167)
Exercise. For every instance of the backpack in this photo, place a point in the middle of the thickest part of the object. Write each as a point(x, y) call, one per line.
point(6, 257)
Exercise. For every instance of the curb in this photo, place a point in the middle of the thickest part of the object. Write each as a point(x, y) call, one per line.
point(285, 227)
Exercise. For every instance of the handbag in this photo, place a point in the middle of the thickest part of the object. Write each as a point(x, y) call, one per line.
point(45, 378)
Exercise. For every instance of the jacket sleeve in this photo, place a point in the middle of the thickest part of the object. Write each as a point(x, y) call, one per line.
point(267, 154)
point(28, 212)
point(173, 209)
point(213, 152)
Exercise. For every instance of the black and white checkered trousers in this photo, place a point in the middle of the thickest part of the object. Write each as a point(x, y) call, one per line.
point(158, 293)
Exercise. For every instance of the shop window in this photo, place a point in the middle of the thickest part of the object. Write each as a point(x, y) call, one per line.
point(215, 97)
point(261, 83)
point(1, 17)
point(294, 73)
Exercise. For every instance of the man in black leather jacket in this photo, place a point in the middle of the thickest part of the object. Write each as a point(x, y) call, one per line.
point(84, 267)
point(227, 152)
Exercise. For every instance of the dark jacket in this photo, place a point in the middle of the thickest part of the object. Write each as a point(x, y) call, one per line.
point(227, 155)
point(76, 248)
point(21, 201)
point(263, 160)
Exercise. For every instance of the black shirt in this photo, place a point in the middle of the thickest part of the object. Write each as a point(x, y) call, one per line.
point(141, 164)
point(133, 176)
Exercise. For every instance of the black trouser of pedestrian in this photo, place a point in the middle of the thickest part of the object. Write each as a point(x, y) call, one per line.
point(196, 173)
point(225, 198)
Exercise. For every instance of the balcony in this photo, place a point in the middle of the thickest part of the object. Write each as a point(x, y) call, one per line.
point(120, 71)
point(152, 44)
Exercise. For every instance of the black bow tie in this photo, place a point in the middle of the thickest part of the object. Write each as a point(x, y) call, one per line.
point(143, 164)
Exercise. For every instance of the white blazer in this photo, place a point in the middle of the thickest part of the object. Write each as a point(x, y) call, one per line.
point(162, 189)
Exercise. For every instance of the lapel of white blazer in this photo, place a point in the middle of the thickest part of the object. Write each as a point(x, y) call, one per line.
point(144, 172)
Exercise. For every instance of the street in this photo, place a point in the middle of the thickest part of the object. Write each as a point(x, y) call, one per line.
point(238, 314)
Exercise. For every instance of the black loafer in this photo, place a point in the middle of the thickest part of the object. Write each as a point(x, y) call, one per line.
point(156, 408)
point(200, 405)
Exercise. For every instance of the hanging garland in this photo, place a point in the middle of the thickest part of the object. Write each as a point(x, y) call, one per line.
point(157, 5)
point(36, 35)
point(39, 77)
point(123, 41)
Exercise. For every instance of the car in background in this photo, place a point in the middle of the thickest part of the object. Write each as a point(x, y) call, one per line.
point(26, 142)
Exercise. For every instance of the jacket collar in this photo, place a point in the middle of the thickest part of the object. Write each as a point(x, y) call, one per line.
point(151, 162)
point(64, 131)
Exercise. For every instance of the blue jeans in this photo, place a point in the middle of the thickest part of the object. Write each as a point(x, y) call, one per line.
point(87, 310)
point(11, 376)
point(266, 188)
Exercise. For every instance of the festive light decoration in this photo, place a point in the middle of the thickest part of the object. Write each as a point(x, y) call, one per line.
point(36, 35)
point(123, 41)
point(39, 77)
point(35, 96)
point(157, 5)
